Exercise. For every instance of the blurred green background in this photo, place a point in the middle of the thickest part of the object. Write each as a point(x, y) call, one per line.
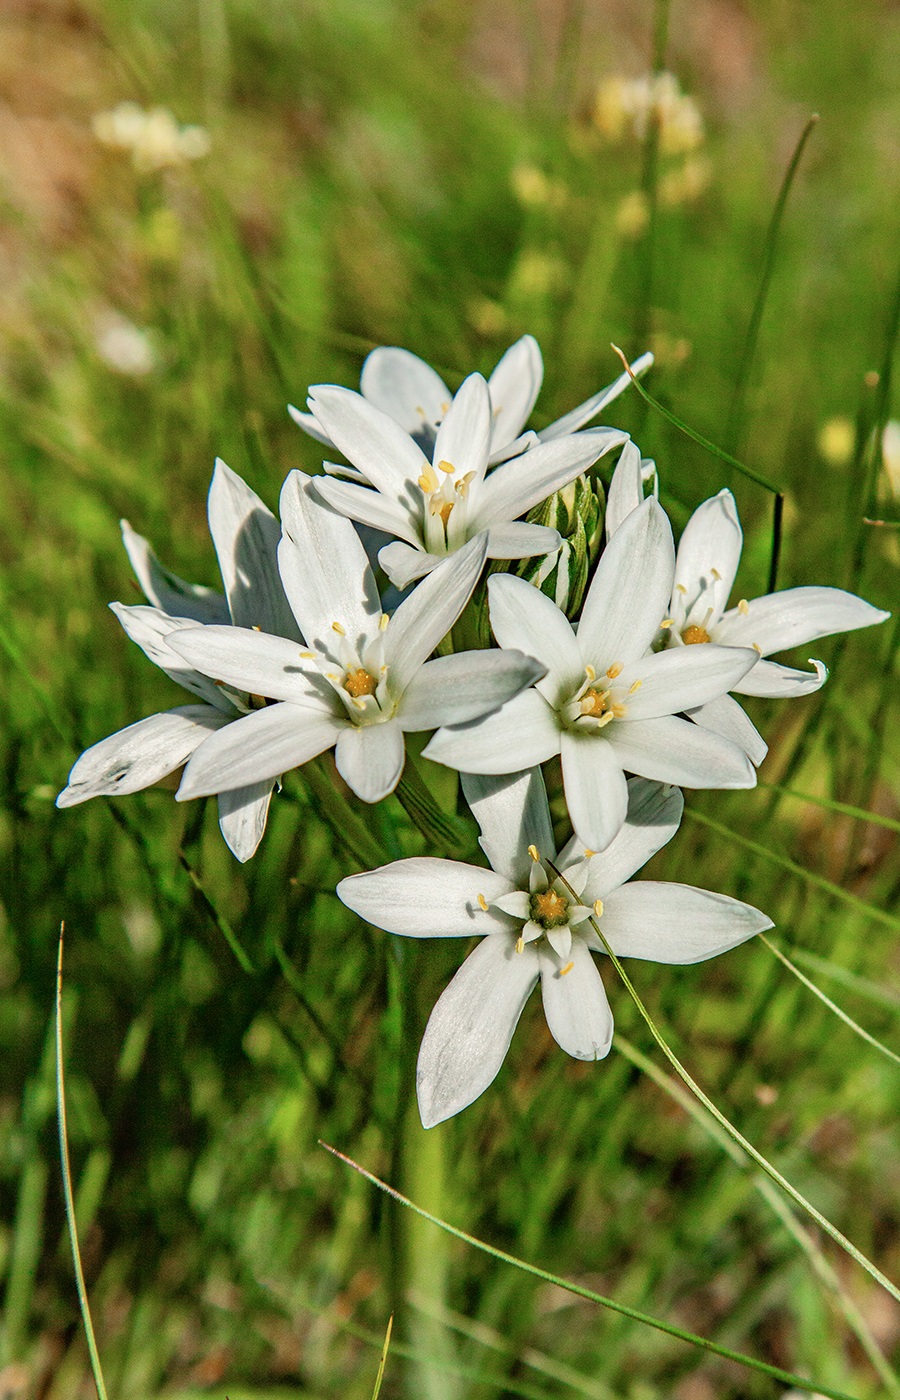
point(445, 175)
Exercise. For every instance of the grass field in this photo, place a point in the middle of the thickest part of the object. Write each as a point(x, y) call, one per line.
point(434, 175)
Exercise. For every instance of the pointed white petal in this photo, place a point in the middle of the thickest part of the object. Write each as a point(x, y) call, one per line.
point(521, 444)
point(626, 490)
point(405, 388)
point(345, 473)
point(242, 818)
point(308, 423)
point(426, 616)
point(520, 540)
point(676, 751)
point(152, 631)
point(513, 488)
point(140, 755)
point(469, 1030)
point(166, 590)
point(368, 507)
point(577, 417)
point(511, 810)
point(374, 443)
point(456, 689)
point(596, 791)
point(464, 437)
point(370, 758)
point(724, 716)
point(403, 564)
point(671, 923)
point(710, 545)
point(524, 617)
point(253, 662)
point(261, 745)
point(514, 386)
point(246, 534)
point(517, 904)
point(796, 616)
point(520, 734)
point(683, 677)
point(423, 897)
point(654, 815)
point(324, 567)
point(630, 591)
point(771, 679)
point(575, 1003)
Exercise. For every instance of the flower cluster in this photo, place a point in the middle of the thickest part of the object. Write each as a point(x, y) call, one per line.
point(625, 676)
point(153, 138)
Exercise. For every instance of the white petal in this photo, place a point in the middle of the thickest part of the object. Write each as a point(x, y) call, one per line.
point(577, 417)
point(521, 444)
point(514, 386)
point(368, 507)
point(711, 544)
point(426, 616)
point(324, 567)
point(423, 897)
point(250, 661)
point(683, 677)
point(140, 755)
point(456, 689)
point(513, 488)
point(246, 534)
point(674, 750)
point(724, 716)
point(626, 490)
point(630, 591)
point(654, 815)
point(596, 791)
point(345, 473)
point(370, 758)
point(405, 388)
point(512, 812)
point(470, 1028)
point(261, 745)
point(464, 437)
point(242, 818)
point(403, 564)
point(770, 678)
point(308, 423)
point(520, 734)
point(671, 923)
point(575, 1003)
point(520, 540)
point(152, 631)
point(796, 616)
point(382, 450)
point(524, 617)
point(166, 590)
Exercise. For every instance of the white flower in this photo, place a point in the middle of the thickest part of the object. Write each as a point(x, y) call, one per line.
point(245, 534)
point(435, 505)
point(153, 138)
point(533, 927)
point(607, 704)
point(705, 569)
point(123, 346)
point(362, 681)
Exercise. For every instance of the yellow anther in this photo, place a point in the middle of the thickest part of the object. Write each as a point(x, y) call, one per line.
point(667, 622)
point(694, 634)
point(564, 971)
point(606, 719)
point(534, 852)
point(614, 670)
point(598, 908)
point(483, 902)
point(336, 627)
point(635, 687)
point(428, 480)
point(743, 607)
point(446, 467)
point(619, 711)
point(462, 486)
point(716, 575)
point(256, 627)
point(588, 853)
point(520, 943)
point(590, 673)
point(757, 647)
point(383, 622)
point(308, 655)
point(680, 588)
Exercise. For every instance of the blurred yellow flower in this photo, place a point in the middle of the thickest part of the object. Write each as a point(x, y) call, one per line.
point(535, 190)
point(686, 182)
point(153, 138)
point(625, 107)
point(836, 441)
point(632, 214)
point(890, 456)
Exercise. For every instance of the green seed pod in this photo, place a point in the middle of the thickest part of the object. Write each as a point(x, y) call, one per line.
point(577, 513)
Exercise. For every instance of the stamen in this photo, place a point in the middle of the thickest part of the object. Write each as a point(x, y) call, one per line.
point(598, 908)
point(588, 853)
point(564, 971)
point(667, 622)
point(743, 607)
point(619, 711)
point(336, 627)
point(447, 468)
point(593, 702)
point(256, 627)
point(428, 480)
point(716, 575)
point(590, 673)
point(756, 647)
point(520, 943)
point(482, 902)
point(635, 687)
point(606, 719)
point(383, 622)
point(680, 588)
point(308, 655)
point(534, 853)
point(614, 670)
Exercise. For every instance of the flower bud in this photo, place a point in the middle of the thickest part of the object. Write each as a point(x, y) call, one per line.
point(577, 513)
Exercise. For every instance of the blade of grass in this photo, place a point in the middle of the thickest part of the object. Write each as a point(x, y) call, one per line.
point(384, 1355)
point(241, 955)
point(879, 996)
point(669, 1328)
point(830, 805)
point(83, 1303)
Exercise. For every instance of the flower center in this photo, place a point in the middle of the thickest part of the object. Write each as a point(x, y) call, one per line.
point(694, 634)
point(549, 909)
point(594, 702)
point(360, 682)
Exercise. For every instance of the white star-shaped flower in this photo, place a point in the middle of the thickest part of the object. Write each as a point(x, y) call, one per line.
point(245, 534)
point(434, 502)
point(607, 704)
point(360, 681)
point(535, 924)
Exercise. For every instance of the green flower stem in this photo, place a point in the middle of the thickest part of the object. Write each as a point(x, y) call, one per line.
point(426, 1262)
point(348, 825)
point(448, 836)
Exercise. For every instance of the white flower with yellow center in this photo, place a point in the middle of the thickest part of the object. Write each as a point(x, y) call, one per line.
point(536, 925)
point(706, 564)
point(435, 498)
point(607, 705)
point(360, 681)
